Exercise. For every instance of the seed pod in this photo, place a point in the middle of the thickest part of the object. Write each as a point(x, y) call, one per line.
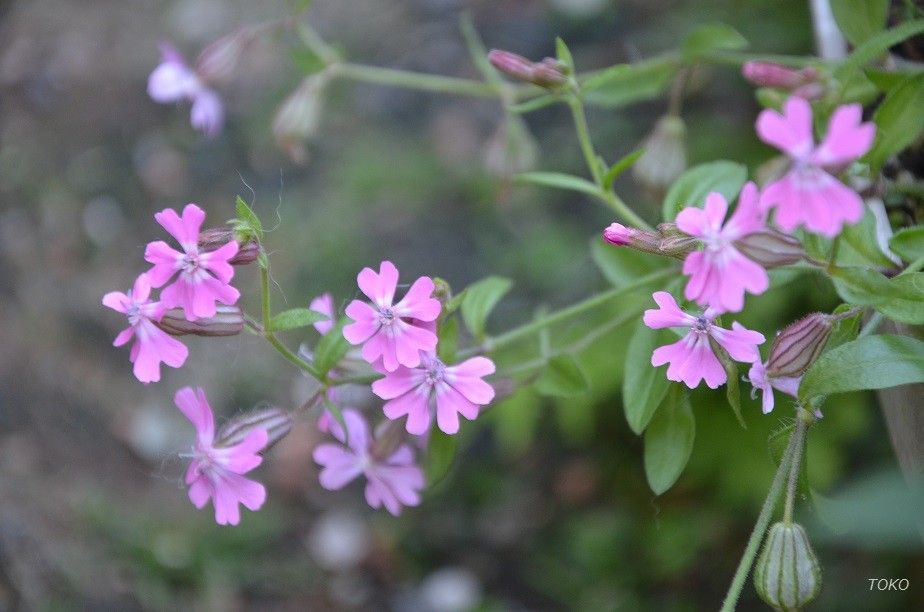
point(276, 421)
point(218, 61)
point(798, 345)
point(299, 116)
point(665, 156)
point(217, 237)
point(787, 575)
point(228, 321)
point(771, 248)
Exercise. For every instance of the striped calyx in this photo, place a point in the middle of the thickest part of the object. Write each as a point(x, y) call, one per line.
point(787, 575)
point(798, 345)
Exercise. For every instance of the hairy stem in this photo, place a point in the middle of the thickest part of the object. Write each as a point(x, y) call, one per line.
point(417, 80)
point(798, 435)
point(282, 349)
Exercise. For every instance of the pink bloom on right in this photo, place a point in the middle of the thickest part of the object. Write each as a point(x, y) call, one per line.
point(392, 332)
point(720, 274)
point(692, 358)
point(761, 381)
point(809, 194)
point(216, 472)
point(393, 482)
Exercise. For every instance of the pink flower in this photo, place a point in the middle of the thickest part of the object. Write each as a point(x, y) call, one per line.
point(203, 277)
point(216, 472)
point(720, 274)
point(386, 330)
point(809, 194)
point(454, 390)
point(761, 381)
point(152, 345)
point(173, 80)
point(392, 482)
point(323, 304)
point(692, 358)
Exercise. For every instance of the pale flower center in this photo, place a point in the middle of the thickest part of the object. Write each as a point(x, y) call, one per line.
point(435, 372)
point(387, 316)
point(702, 325)
point(134, 314)
point(190, 263)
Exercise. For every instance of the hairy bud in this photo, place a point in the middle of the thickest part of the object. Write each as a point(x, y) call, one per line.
point(217, 237)
point(549, 73)
point(228, 321)
point(787, 575)
point(768, 74)
point(666, 241)
point(798, 345)
point(298, 117)
point(218, 61)
point(665, 156)
point(276, 421)
point(771, 248)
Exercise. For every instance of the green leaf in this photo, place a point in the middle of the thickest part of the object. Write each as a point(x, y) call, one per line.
point(908, 243)
point(695, 184)
point(711, 37)
point(859, 20)
point(885, 80)
point(621, 166)
point(559, 180)
point(480, 299)
point(331, 348)
point(295, 318)
point(845, 330)
point(248, 220)
point(515, 420)
point(534, 104)
point(562, 377)
point(449, 340)
point(899, 298)
point(899, 121)
point(871, 362)
point(306, 60)
point(564, 54)
point(441, 452)
point(643, 387)
point(622, 265)
point(626, 84)
point(877, 45)
point(669, 441)
point(862, 237)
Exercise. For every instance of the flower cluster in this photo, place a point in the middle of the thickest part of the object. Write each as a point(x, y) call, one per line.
point(725, 257)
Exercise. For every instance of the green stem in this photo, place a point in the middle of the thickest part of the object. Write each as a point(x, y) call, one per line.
point(760, 528)
point(527, 329)
point(270, 336)
point(871, 325)
point(415, 80)
point(798, 435)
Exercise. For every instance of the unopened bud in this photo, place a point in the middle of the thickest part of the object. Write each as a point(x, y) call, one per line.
point(665, 156)
point(549, 73)
point(298, 117)
point(275, 421)
point(798, 345)
point(787, 575)
point(666, 241)
point(217, 237)
point(441, 290)
point(768, 74)
point(227, 321)
point(771, 248)
point(217, 62)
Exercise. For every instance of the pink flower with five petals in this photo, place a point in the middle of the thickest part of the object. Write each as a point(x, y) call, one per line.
point(692, 358)
point(202, 278)
point(389, 330)
point(152, 344)
point(216, 472)
point(720, 274)
point(808, 194)
point(434, 387)
point(391, 482)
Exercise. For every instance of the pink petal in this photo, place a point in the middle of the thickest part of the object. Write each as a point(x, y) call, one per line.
point(366, 322)
point(409, 341)
point(200, 491)
point(208, 113)
point(124, 336)
point(216, 261)
point(118, 301)
point(243, 457)
point(380, 288)
point(748, 217)
point(324, 304)
point(416, 405)
point(340, 466)
point(195, 406)
point(378, 494)
point(691, 360)
point(141, 289)
point(741, 343)
point(471, 387)
point(398, 383)
point(831, 207)
point(381, 344)
point(847, 138)
point(417, 302)
point(166, 262)
point(358, 435)
point(692, 220)
point(449, 405)
point(171, 82)
point(790, 132)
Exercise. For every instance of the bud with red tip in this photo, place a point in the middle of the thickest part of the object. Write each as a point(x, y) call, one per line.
point(227, 321)
point(549, 73)
point(275, 421)
point(798, 345)
point(217, 237)
point(666, 241)
point(771, 248)
point(769, 74)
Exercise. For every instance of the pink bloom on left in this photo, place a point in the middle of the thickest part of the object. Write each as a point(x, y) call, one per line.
point(392, 332)
point(692, 358)
point(393, 482)
point(173, 80)
point(454, 390)
point(720, 274)
point(216, 473)
point(152, 344)
point(809, 194)
point(201, 278)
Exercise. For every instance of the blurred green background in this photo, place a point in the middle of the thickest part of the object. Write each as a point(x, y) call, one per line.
point(547, 506)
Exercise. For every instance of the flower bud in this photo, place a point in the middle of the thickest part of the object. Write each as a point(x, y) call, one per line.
point(217, 62)
point(798, 345)
point(666, 241)
point(665, 156)
point(549, 73)
point(787, 575)
point(217, 237)
point(768, 74)
point(298, 117)
point(771, 248)
point(276, 421)
point(227, 321)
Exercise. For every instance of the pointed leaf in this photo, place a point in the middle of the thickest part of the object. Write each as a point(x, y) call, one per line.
point(669, 441)
point(643, 386)
point(562, 377)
